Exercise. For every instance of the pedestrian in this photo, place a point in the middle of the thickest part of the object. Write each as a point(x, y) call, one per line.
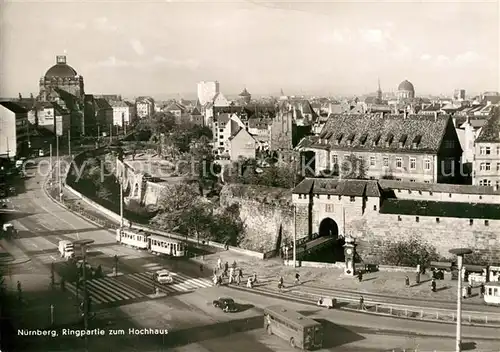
point(433, 285)
point(481, 290)
point(254, 278)
point(234, 264)
point(238, 280)
point(407, 281)
point(241, 273)
point(226, 266)
point(464, 292)
point(230, 278)
point(360, 276)
point(201, 267)
point(249, 283)
point(297, 278)
point(63, 284)
point(361, 303)
point(19, 291)
point(219, 263)
point(280, 283)
point(417, 277)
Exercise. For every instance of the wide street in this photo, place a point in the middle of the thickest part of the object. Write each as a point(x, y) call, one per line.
point(185, 307)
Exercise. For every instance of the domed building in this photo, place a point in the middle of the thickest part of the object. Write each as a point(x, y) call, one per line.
point(245, 97)
point(406, 90)
point(61, 76)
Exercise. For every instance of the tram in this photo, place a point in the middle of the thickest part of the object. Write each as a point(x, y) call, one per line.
point(133, 239)
point(157, 244)
point(165, 245)
point(492, 293)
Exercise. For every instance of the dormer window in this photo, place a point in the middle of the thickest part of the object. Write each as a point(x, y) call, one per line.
point(402, 140)
point(339, 138)
point(376, 140)
point(389, 139)
point(416, 141)
point(350, 139)
point(363, 139)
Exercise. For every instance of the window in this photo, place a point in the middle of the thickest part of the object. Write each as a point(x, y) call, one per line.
point(484, 182)
point(471, 222)
point(399, 217)
point(485, 166)
point(375, 208)
point(413, 181)
point(329, 208)
point(417, 219)
point(413, 163)
point(399, 163)
point(335, 159)
point(486, 223)
point(386, 161)
point(221, 136)
point(485, 150)
point(221, 143)
point(449, 144)
point(427, 164)
point(437, 220)
point(328, 196)
point(480, 197)
point(498, 150)
point(498, 166)
point(372, 161)
point(427, 181)
point(352, 199)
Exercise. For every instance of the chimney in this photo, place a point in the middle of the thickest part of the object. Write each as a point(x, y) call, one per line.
point(405, 114)
point(435, 116)
point(496, 187)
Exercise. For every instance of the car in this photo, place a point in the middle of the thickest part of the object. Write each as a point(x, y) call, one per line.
point(164, 277)
point(226, 304)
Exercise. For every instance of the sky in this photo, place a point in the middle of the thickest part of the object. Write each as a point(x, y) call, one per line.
point(332, 47)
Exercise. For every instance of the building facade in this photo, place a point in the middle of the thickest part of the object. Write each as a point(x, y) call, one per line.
point(207, 90)
point(144, 106)
point(14, 129)
point(122, 113)
point(486, 164)
point(377, 213)
point(225, 125)
point(241, 145)
point(401, 147)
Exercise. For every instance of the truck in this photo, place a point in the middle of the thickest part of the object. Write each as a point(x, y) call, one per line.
point(66, 249)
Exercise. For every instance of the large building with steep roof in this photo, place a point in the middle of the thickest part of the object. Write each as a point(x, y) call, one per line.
point(486, 163)
point(402, 147)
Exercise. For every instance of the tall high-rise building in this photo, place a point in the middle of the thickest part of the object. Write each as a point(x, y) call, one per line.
point(207, 90)
point(459, 94)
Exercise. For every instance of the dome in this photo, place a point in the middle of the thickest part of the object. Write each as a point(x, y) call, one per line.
point(244, 93)
point(60, 70)
point(406, 85)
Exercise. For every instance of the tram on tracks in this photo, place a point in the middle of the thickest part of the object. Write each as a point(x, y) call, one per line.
point(492, 293)
point(154, 243)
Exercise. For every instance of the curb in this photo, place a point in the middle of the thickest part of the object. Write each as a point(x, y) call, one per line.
point(308, 302)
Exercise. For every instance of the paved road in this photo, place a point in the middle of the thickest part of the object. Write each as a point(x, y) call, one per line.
point(186, 305)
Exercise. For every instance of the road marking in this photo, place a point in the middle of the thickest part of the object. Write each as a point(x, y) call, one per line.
point(34, 245)
point(53, 258)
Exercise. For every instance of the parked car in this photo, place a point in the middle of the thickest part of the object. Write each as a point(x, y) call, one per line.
point(164, 277)
point(225, 304)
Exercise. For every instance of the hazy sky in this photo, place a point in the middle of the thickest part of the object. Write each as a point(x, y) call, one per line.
point(161, 47)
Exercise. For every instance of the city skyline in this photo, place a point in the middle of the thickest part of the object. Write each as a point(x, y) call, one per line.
point(324, 48)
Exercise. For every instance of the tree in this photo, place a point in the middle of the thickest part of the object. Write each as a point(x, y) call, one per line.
point(228, 227)
point(208, 170)
point(197, 221)
point(353, 167)
point(173, 203)
point(409, 252)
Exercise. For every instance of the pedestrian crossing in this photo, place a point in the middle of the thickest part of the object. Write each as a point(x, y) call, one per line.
point(107, 290)
point(181, 282)
point(110, 289)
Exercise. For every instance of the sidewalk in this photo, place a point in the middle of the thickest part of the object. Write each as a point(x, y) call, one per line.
point(17, 254)
point(390, 284)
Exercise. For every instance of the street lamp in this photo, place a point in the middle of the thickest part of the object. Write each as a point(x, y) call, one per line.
point(459, 252)
point(83, 243)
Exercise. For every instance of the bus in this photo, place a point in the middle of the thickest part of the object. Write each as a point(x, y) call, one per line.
point(299, 330)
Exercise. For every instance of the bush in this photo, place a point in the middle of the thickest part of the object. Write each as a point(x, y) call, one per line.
point(409, 253)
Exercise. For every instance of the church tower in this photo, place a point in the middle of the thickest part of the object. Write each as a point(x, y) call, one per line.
point(379, 93)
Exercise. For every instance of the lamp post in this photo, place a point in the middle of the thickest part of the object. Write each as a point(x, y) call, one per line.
point(459, 252)
point(83, 244)
point(294, 237)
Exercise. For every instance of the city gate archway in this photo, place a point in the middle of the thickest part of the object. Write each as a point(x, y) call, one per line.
point(329, 227)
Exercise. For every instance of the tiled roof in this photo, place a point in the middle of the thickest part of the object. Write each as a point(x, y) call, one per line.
point(373, 132)
point(15, 108)
point(437, 187)
point(354, 188)
point(223, 118)
point(262, 124)
point(118, 104)
point(195, 112)
point(102, 104)
point(490, 133)
point(441, 209)
point(306, 142)
point(174, 106)
point(494, 99)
